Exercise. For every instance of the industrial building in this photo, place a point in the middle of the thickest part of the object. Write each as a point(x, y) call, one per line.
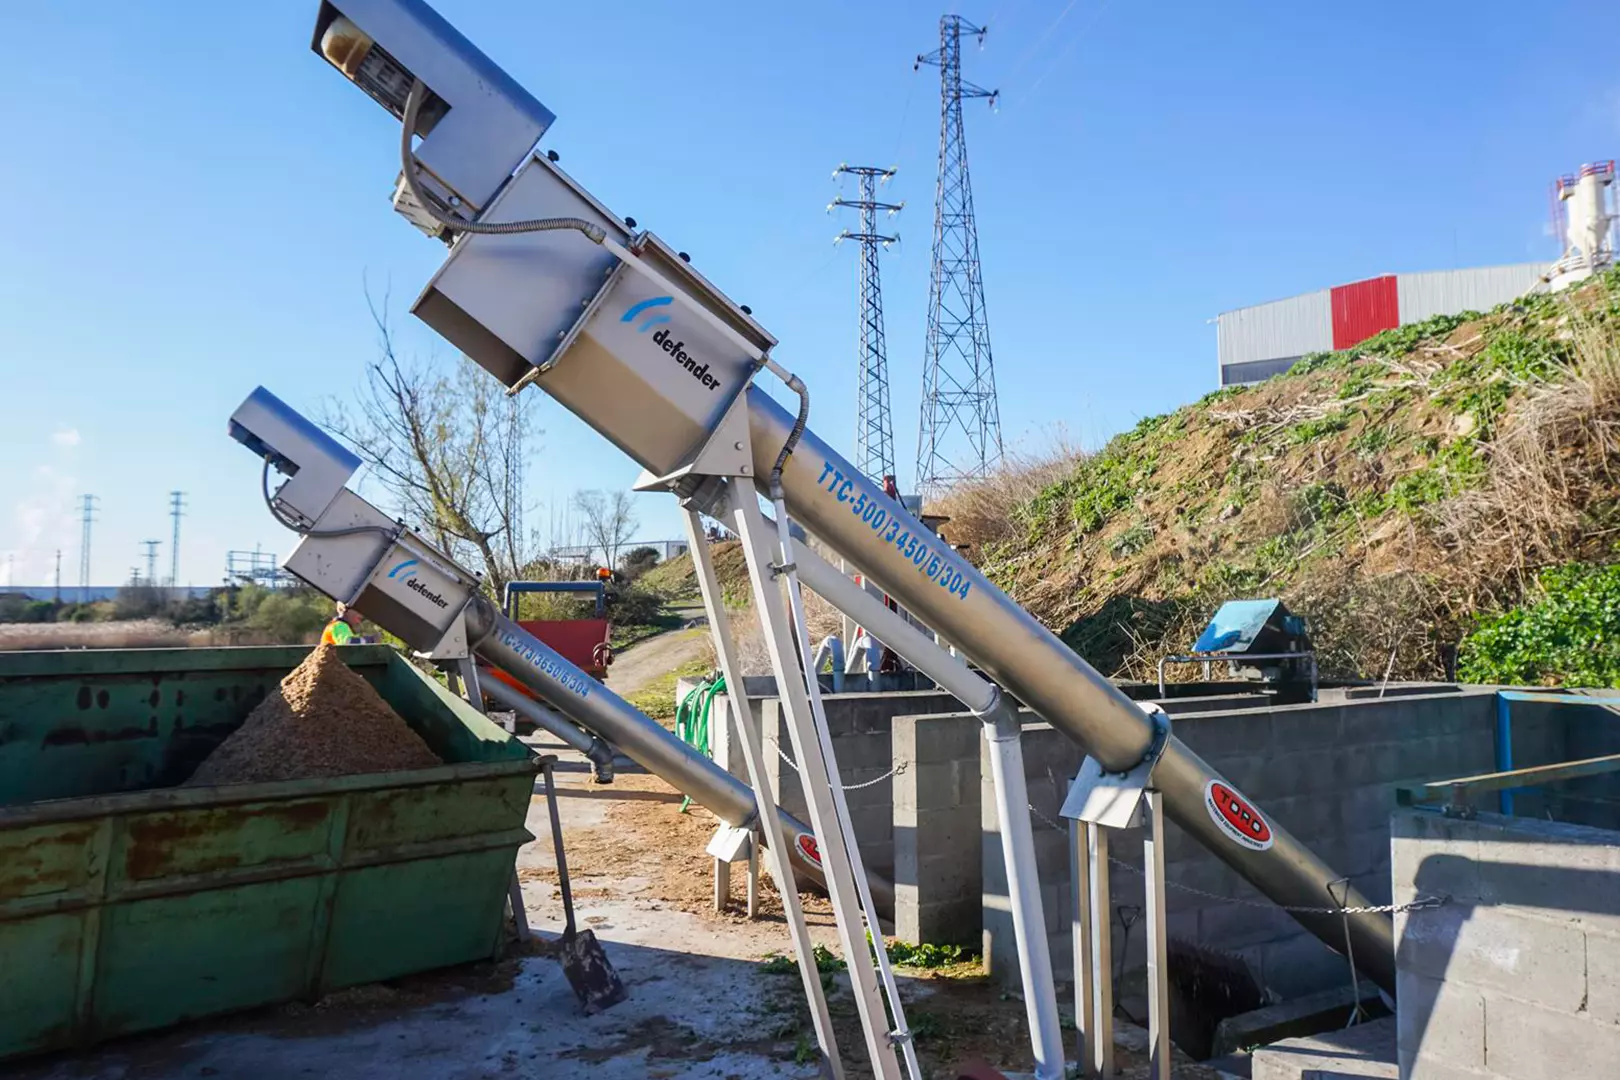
point(1255, 343)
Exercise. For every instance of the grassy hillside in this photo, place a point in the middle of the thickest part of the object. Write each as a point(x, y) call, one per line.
point(676, 580)
point(1407, 495)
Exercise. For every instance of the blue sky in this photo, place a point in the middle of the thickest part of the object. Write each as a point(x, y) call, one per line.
point(195, 199)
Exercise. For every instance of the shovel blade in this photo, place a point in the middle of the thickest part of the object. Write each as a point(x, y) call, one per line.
point(589, 972)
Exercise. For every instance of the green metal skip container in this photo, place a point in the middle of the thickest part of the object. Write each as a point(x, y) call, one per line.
point(128, 903)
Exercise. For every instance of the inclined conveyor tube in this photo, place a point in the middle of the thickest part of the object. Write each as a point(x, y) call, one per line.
point(506, 645)
point(853, 517)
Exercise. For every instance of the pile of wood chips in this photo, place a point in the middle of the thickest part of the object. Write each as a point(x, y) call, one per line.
point(323, 720)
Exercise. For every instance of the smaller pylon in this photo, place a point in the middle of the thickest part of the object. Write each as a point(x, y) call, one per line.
point(151, 561)
point(874, 431)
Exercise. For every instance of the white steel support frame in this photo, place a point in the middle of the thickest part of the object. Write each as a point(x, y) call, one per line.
point(985, 700)
point(1093, 938)
point(829, 814)
point(1158, 945)
point(754, 756)
point(1099, 1035)
point(1082, 947)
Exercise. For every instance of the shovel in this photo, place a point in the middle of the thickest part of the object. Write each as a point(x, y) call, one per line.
point(589, 972)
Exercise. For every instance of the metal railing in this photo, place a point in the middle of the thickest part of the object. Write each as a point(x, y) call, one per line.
point(1235, 658)
point(1455, 798)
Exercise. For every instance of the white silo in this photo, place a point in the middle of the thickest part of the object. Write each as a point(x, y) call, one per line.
point(1589, 223)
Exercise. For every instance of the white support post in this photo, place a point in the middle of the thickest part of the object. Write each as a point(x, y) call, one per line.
point(820, 781)
point(1158, 947)
point(1101, 1030)
point(754, 757)
point(1080, 931)
point(753, 877)
point(722, 884)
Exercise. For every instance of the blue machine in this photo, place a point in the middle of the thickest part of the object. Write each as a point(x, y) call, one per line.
point(1257, 639)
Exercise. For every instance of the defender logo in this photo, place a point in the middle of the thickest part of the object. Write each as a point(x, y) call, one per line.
point(413, 583)
point(674, 348)
point(654, 318)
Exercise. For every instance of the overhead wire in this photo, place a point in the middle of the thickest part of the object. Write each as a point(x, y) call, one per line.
point(1067, 49)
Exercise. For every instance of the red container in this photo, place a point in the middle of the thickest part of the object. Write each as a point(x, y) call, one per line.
point(1364, 308)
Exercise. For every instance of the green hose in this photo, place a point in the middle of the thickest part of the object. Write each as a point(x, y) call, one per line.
point(692, 718)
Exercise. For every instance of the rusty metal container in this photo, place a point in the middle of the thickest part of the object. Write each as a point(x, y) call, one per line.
point(127, 903)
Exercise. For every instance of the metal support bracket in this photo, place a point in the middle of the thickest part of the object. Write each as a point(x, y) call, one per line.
point(726, 452)
point(1113, 800)
point(1099, 801)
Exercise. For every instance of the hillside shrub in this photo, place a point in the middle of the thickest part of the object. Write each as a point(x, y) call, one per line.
point(289, 615)
point(1567, 632)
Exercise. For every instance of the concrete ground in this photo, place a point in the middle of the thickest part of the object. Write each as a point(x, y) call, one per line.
point(699, 1006)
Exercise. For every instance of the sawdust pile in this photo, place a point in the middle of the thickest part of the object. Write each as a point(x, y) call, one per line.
point(323, 720)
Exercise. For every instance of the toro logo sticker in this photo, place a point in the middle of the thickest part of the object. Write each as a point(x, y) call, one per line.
point(1236, 816)
point(808, 847)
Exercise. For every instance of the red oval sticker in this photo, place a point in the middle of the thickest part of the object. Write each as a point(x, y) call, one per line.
point(808, 847)
point(1236, 816)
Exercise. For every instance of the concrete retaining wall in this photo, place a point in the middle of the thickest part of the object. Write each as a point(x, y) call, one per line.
point(860, 726)
point(1518, 976)
point(1325, 772)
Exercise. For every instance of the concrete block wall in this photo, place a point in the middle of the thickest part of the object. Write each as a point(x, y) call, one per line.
point(861, 728)
point(937, 877)
point(1326, 772)
point(1517, 976)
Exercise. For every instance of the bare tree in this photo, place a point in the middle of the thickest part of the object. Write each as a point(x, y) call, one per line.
point(446, 447)
point(609, 520)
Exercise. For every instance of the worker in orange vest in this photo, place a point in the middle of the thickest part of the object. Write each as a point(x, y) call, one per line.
point(340, 631)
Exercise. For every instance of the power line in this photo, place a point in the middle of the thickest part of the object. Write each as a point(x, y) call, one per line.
point(959, 436)
point(874, 431)
point(1079, 36)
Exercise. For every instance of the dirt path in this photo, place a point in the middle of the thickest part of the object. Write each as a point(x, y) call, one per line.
point(639, 665)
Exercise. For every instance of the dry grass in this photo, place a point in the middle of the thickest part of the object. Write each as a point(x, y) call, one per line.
point(1553, 464)
point(984, 512)
point(137, 634)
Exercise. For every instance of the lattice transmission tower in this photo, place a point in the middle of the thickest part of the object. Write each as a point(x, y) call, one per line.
point(960, 434)
point(88, 518)
point(874, 431)
point(177, 510)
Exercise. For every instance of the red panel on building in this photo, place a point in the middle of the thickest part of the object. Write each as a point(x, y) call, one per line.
point(1362, 309)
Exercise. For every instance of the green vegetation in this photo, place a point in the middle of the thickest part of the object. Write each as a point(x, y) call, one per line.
point(1390, 493)
point(1308, 431)
point(926, 955)
point(827, 964)
point(1107, 482)
point(286, 615)
point(1566, 633)
point(1132, 540)
point(1481, 385)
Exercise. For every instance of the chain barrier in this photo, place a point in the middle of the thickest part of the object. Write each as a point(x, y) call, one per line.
point(1422, 903)
point(895, 769)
